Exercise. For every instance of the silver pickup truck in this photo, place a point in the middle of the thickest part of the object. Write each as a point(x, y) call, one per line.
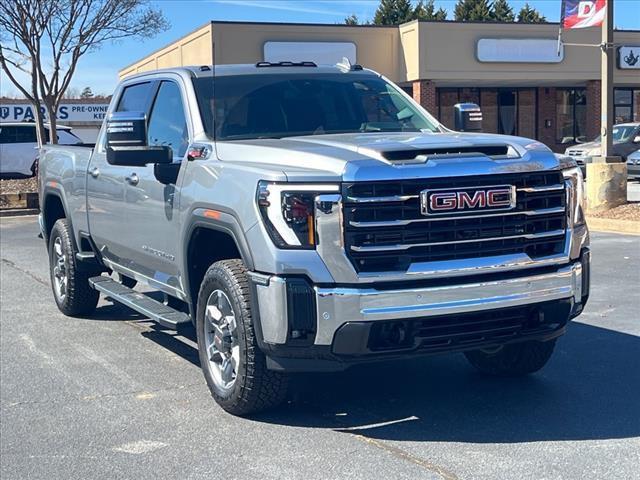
point(307, 218)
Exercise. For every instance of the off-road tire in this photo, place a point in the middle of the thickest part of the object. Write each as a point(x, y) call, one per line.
point(80, 298)
point(255, 388)
point(513, 360)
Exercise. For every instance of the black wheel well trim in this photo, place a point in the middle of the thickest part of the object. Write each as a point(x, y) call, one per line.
point(47, 193)
point(227, 224)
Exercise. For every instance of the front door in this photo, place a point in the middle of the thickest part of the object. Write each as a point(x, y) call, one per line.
point(106, 187)
point(153, 225)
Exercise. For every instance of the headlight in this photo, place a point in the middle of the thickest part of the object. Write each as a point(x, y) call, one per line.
point(576, 194)
point(287, 210)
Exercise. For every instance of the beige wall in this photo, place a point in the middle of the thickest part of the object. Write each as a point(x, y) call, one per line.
point(192, 49)
point(448, 55)
point(442, 52)
point(376, 47)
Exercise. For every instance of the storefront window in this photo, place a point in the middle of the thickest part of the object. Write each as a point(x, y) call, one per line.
point(504, 110)
point(626, 105)
point(571, 115)
point(447, 98)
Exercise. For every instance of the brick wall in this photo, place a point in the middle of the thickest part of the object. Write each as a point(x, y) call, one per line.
point(424, 92)
point(593, 109)
point(547, 117)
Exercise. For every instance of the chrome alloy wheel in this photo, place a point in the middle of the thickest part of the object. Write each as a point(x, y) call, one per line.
point(221, 339)
point(60, 277)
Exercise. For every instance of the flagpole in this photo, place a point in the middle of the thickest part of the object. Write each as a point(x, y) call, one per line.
point(606, 81)
point(606, 174)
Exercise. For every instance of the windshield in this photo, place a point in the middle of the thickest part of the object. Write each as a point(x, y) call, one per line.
point(620, 133)
point(278, 105)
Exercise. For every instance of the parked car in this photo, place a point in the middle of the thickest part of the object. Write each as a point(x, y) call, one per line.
point(316, 218)
point(19, 147)
point(633, 165)
point(626, 139)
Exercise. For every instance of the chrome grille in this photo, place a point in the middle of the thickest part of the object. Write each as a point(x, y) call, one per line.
point(385, 231)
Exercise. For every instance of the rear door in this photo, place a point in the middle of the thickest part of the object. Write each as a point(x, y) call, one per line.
point(18, 149)
point(106, 186)
point(153, 224)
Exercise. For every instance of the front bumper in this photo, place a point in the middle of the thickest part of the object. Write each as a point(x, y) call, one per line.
point(338, 323)
point(633, 170)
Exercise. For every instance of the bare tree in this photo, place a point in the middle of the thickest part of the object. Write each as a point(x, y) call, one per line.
point(71, 92)
point(46, 39)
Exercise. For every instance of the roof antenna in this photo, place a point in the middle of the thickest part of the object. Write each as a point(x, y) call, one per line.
point(344, 64)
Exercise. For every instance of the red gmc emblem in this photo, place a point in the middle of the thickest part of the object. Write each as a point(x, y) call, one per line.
point(433, 202)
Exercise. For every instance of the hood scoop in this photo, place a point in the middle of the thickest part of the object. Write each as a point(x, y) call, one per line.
point(421, 155)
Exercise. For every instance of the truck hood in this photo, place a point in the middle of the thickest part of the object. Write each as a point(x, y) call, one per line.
point(389, 156)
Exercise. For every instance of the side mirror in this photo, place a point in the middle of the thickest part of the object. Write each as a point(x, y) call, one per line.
point(636, 139)
point(127, 141)
point(127, 129)
point(468, 117)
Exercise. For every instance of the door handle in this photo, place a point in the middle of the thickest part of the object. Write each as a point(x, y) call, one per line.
point(94, 172)
point(132, 179)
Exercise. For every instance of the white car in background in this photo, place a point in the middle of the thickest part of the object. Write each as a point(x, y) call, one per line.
point(19, 147)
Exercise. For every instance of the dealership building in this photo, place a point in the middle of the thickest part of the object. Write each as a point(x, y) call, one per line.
point(513, 71)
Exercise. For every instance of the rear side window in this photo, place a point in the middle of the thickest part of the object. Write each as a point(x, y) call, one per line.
point(66, 137)
point(21, 134)
point(8, 134)
point(167, 124)
point(26, 134)
point(134, 98)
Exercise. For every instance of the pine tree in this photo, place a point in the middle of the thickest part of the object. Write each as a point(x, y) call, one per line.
point(427, 11)
point(86, 93)
point(472, 11)
point(529, 14)
point(501, 11)
point(352, 20)
point(393, 12)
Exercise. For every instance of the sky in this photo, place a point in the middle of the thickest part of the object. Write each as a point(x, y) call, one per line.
point(99, 69)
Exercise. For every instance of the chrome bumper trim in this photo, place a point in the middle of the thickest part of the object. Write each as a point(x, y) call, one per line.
point(336, 306)
point(399, 223)
point(406, 246)
point(545, 188)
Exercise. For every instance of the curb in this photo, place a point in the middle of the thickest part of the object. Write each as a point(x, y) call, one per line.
point(613, 225)
point(18, 212)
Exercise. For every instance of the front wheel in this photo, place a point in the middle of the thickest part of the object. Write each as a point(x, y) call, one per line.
point(233, 365)
point(71, 289)
point(513, 360)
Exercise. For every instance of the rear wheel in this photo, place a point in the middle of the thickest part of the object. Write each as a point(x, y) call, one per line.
point(71, 289)
point(514, 359)
point(233, 365)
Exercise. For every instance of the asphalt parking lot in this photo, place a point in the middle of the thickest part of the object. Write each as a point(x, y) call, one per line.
point(112, 396)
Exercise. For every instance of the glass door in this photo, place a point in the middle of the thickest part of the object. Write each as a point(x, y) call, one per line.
point(507, 111)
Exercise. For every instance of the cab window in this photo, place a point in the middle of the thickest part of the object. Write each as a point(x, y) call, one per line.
point(167, 122)
point(134, 98)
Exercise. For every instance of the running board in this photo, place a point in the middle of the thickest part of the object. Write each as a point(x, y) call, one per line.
point(156, 311)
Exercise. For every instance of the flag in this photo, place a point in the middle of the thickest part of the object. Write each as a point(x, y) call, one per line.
point(583, 13)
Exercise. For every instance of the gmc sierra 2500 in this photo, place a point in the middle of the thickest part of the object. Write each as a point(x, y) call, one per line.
point(307, 218)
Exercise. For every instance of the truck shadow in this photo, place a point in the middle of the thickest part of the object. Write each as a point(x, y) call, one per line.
point(589, 390)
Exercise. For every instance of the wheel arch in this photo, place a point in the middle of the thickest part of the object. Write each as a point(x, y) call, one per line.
point(53, 209)
point(208, 240)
